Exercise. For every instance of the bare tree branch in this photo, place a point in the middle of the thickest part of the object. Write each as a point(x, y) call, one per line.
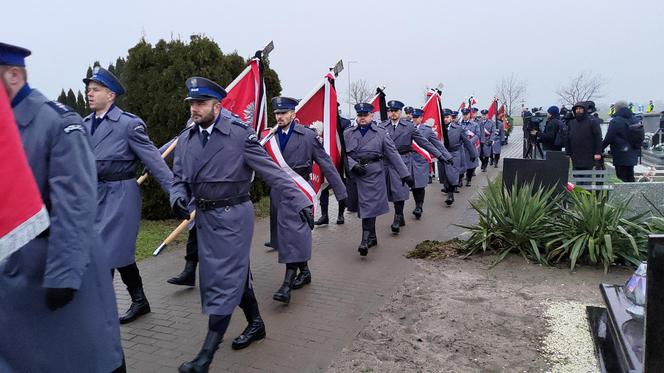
point(510, 91)
point(359, 92)
point(582, 87)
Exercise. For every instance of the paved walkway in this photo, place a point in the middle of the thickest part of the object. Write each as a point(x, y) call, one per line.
point(321, 319)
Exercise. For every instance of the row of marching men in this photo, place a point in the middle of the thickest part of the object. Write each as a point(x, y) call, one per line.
point(57, 290)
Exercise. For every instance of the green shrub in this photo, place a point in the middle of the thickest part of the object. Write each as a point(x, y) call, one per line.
point(593, 230)
point(513, 221)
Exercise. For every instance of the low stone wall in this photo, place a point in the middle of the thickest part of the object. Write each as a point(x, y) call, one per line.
point(640, 193)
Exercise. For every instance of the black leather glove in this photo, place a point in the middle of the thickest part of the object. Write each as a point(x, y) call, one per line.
point(450, 161)
point(472, 159)
point(180, 209)
point(359, 170)
point(408, 180)
point(307, 216)
point(58, 297)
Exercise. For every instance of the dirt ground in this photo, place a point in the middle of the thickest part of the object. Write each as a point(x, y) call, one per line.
point(461, 315)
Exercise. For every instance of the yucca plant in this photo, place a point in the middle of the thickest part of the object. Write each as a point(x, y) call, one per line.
point(512, 221)
point(595, 230)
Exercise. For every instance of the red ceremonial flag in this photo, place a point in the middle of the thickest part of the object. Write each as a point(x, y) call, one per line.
point(492, 109)
point(462, 106)
point(23, 215)
point(319, 109)
point(379, 106)
point(246, 96)
point(501, 111)
point(432, 113)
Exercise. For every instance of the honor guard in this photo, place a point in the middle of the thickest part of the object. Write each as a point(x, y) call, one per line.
point(213, 165)
point(291, 236)
point(421, 167)
point(120, 142)
point(403, 134)
point(472, 130)
point(58, 310)
point(369, 149)
point(451, 172)
point(486, 127)
point(408, 111)
point(497, 138)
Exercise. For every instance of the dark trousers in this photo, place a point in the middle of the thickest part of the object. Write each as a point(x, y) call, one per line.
point(625, 173)
point(418, 194)
point(369, 225)
point(130, 275)
point(469, 174)
point(325, 202)
point(192, 246)
point(398, 207)
point(485, 162)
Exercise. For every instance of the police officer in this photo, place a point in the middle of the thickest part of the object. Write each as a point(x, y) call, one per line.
point(214, 163)
point(58, 310)
point(324, 197)
point(472, 130)
point(368, 149)
point(291, 237)
point(408, 111)
point(421, 167)
point(486, 127)
point(120, 142)
point(458, 138)
point(403, 134)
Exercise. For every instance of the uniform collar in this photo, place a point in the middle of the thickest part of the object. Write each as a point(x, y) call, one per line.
point(113, 113)
point(288, 129)
point(21, 94)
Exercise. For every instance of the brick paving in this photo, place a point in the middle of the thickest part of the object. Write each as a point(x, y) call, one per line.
point(321, 319)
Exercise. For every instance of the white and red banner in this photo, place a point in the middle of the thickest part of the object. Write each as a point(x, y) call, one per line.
point(470, 135)
point(421, 151)
point(23, 215)
point(379, 106)
point(272, 148)
point(319, 109)
point(246, 96)
point(432, 113)
point(493, 109)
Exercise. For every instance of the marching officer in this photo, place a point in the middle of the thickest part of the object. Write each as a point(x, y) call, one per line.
point(119, 142)
point(472, 130)
point(324, 198)
point(486, 127)
point(58, 308)
point(421, 167)
point(368, 149)
point(497, 138)
point(451, 172)
point(408, 111)
point(214, 163)
point(403, 134)
point(300, 148)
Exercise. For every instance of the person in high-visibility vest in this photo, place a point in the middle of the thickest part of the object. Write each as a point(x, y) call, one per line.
point(612, 110)
point(651, 107)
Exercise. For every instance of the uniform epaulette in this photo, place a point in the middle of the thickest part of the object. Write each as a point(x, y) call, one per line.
point(60, 108)
point(130, 115)
point(239, 122)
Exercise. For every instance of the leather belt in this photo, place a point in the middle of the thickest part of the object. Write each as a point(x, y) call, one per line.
point(118, 176)
point(208, 204)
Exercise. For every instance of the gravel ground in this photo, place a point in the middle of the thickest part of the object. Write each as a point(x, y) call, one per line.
point(460, 315)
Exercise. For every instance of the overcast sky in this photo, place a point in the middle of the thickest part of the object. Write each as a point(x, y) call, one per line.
point(405, 45)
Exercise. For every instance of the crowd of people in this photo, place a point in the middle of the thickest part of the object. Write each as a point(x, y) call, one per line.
point(59, 308)
point(578, 132)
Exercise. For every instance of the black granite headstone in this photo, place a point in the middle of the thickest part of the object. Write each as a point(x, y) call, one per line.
point(550, 172)
point(654, 349)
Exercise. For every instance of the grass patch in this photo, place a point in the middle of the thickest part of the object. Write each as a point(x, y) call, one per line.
point(436, 250)
point(152, 232)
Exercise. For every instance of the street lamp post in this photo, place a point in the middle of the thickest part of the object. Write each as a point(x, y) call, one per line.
point(349, 104)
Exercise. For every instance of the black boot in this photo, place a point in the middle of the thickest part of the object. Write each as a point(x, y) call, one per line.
point(255, 330)
point(402, 220)
point(202, 361)
point(283, 294)
point(456, 189)
point(468, 182)
point(302, 278)
point(450, 199)
point(418, 210)
point(139, 305)
point(395, 225)
point(187, 277)
point(364, 244)
point(323, 220)
point(340, 219)
point(373, 240)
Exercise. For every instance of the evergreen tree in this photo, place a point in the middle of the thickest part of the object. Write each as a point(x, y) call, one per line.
point(81, 105)
point(62, 98)
point(71, 99)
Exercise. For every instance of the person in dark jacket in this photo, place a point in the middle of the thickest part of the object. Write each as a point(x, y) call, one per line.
point(625, 156)
point(551, 130)
point(584, 142)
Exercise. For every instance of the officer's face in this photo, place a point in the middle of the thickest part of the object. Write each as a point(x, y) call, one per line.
point(394, 114)
point(417, 120)
point(409, 117)
point(99, 97)
point(466, 117)
point(364, 119)
point(204, 112)
point(447, 119)
point(284, 119)
point(12, 78)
